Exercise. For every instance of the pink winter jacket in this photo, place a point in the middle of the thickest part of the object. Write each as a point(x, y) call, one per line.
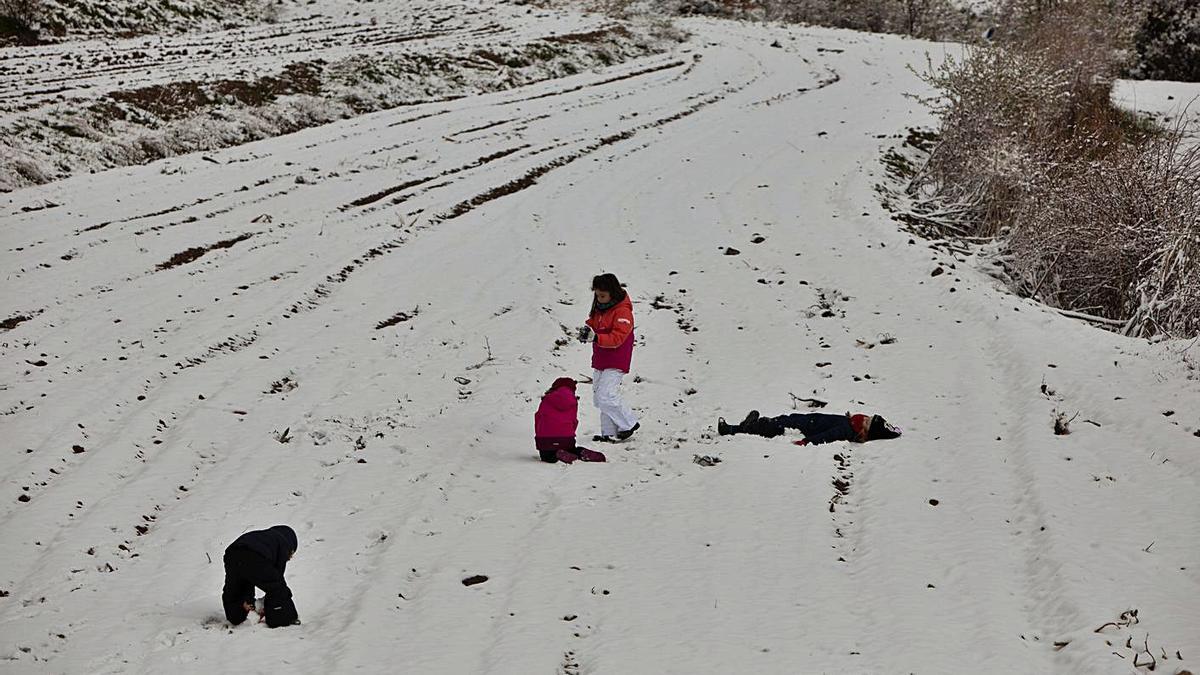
point(558, 414)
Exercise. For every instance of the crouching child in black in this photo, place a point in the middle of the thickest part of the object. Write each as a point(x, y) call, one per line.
point(258, 558)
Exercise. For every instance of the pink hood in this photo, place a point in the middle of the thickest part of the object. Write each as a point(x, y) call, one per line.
point(558, 414)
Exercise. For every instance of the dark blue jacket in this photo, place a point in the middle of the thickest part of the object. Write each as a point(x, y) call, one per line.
point(820, 428)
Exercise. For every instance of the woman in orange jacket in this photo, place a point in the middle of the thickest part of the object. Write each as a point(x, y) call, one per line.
point(610, 330)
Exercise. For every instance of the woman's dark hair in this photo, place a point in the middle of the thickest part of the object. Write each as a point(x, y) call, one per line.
point(609, 284)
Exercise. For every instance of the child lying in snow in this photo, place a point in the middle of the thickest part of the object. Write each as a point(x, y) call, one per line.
point(817, 428)
point(554, 425)
point(258, 558)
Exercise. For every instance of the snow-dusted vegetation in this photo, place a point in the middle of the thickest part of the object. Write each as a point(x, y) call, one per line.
point(93, 105)
point(1097, 209)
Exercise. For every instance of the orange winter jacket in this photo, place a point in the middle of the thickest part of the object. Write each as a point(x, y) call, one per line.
point(613, 325)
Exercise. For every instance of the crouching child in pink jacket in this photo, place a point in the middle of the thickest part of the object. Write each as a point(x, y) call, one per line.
point(554, 425)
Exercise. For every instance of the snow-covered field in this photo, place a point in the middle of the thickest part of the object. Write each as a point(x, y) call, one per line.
point(90, 105)
point(1168, 103)
point(389, 291)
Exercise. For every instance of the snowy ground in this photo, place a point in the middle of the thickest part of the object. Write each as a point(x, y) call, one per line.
point(1169, 103)
point(334, 283)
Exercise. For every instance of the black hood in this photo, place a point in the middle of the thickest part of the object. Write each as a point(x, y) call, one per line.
point(276, 544)
point(881, 429)
point(287, 537)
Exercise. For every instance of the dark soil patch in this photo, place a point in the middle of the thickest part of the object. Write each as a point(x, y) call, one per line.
point(92, 228)
point(282, 386)
point(41, 207)
point(191, 254)
point(231, 344)
point(481, 127)
point(590, 37)
point(176, 100)
point(398, 317)
point(13, 321)
point(16, 320)
point(921, 139)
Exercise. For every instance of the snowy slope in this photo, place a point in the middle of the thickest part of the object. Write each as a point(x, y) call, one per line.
point(336, 281)
point(91, 105)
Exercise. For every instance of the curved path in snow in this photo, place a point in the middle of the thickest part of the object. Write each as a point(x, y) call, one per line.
point(390, 289)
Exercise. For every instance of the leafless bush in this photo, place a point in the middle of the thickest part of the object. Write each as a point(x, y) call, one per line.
point(1119, 237)
point(21, 21)
point(995, 102)
point(1101, 209)
point(931, 19)
point(1168, 41)
point(27, 12)
point(1010, 112)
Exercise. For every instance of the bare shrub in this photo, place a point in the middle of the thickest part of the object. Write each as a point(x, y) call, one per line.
point(993, 103)
point(18, 170)
point(28, 12)
point(1101, 209)
point(930, 19)
point(1119, 237)
point(1168, 41)
point(20, 21)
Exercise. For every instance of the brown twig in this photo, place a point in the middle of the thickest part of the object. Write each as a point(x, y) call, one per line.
point(812, 402)
point(1046, 274)
point(1153, 661)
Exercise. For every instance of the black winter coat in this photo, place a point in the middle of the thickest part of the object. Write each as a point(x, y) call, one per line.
point(276, 544)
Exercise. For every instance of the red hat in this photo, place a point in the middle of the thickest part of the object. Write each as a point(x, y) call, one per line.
point(861, 425)
point(563, 382)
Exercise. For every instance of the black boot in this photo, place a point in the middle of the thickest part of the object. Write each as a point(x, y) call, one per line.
point(724, 429)
point(622, 435)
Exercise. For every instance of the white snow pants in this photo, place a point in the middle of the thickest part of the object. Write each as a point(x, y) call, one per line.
point(614, 414)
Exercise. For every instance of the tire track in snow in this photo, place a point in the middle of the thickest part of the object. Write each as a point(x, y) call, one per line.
point(170, 59)
point(528, 179)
